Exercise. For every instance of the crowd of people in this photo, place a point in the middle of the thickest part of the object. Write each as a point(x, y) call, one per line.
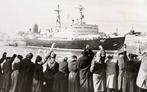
point(91, 72)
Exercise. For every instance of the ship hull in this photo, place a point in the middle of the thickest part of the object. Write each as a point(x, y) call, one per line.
point(107, 43)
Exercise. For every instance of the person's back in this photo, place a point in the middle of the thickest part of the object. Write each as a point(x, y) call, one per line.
point(61, 78)
point(111, 66)
point(63, 67)
point(26, 67)
point(111, 74)
point(72, 66)
point(7, 70)
point(15, 74)
point(73, 78)
point(84, 63)
point(38, 75)
point(130, 69)
point(26, 75)
point(38, 72)
point(121, 66)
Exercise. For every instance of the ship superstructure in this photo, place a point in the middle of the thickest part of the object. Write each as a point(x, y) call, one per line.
point(76, 36)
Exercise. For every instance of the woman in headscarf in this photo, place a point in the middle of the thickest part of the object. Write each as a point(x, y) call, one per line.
point(120, 77)
point(73, 78)
point(98, 69)
point(51, 67)
point(61, 78)
point(15, 74)
point(7, 70)
point(38, 75)
point(111, 73)
point(84, 63)
point(26, 74)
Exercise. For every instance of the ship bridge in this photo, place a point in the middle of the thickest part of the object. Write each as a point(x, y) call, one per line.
point(76, 31)
point(84, 29)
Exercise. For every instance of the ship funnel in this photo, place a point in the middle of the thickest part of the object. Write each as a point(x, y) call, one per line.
point(35, 28)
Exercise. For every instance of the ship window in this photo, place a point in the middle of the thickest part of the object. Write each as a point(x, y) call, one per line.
point(88, 27)
point(77, 27)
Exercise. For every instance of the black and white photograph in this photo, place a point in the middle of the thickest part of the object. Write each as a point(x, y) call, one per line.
point(73, 45)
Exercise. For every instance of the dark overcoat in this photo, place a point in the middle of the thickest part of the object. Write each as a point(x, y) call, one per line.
point(6, 76)
point(61, 78)
point(73, 78)
point(51, 69)
point(15, 77)
point(1, 61)
point(38, 78)
point(84, 63)
point(26, 75)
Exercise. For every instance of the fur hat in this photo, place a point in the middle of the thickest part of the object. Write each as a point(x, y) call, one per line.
point(38, 59)
point(20, 57)
point(29, 56)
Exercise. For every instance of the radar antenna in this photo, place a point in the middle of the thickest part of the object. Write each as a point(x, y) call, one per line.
point(58, 21)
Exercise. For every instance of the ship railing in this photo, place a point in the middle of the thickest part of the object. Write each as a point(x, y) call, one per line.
point(59, 39)
point(86, 38)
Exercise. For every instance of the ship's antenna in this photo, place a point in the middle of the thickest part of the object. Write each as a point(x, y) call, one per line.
point(116, 30)
point(81, 8)
point(138, 48)
point(132, 28)
point(58, 21)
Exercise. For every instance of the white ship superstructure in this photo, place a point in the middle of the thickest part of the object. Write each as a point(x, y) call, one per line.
point(134, 38)
point(76, 36)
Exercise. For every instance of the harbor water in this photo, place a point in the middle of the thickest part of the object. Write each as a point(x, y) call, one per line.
point(60, 53)
point(24, 50)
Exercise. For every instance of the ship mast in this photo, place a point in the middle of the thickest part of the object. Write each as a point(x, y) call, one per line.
point(58, 21)
point(81, 8)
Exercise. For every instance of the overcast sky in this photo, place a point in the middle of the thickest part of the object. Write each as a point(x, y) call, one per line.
point(20, 15)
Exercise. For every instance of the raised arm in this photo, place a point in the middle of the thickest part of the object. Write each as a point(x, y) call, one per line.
point(49, 54)
point(3, 57)
point(125, 53)
point(91, 53)
point(92, 65)
point(47, 57)
point(12, 58)
point(98, 57)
